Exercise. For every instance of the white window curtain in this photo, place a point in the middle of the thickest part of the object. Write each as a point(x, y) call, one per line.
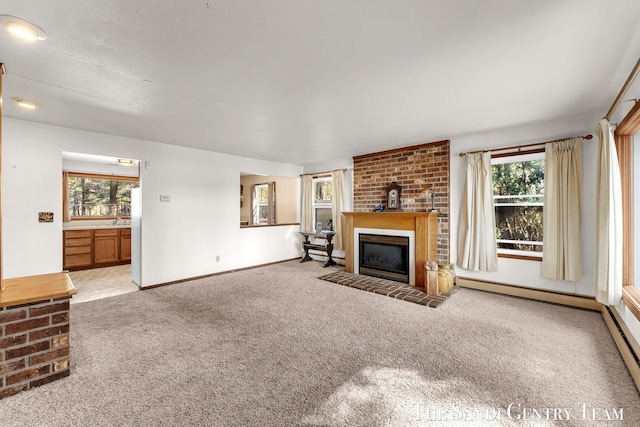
point(337, 206)
point(608, 260)
point(477, 248)
point(561, 252)
point(306, 220)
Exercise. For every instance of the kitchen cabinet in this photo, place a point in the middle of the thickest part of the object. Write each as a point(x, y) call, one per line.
point(93, 248)
point(125, 244)
point(78, 248)
point(106, 246)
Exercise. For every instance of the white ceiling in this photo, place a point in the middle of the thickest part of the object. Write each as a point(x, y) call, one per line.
point(306, 80)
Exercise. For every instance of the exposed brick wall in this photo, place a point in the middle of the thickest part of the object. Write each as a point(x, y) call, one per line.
point(413, 168)
point(34, 345)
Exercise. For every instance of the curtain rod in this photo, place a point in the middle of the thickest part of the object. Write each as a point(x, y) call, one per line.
point(320, 174)
point(513, 147)
point(624, 89)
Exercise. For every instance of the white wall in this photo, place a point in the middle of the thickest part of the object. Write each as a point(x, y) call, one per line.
point(522, 272)
point(180, 239)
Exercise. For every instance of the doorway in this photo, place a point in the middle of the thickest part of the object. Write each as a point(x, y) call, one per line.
point(98, 224)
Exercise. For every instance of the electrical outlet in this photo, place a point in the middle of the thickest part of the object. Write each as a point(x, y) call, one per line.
point(217, 258)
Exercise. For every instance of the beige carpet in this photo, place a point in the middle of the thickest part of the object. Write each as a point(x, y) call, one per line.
point(276, 346)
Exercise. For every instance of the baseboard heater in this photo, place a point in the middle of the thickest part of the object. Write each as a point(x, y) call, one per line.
point(534, 294)
point(322, 256)
point(625, 342)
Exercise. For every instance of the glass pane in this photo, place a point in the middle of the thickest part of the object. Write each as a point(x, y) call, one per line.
point(323, 191)
point(262, 193)
point(94, 197)
point(263, 214)
point(518, 178)
point(324, 215)
point(519, 223)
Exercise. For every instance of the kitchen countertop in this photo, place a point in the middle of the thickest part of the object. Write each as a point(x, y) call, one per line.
point(94, 227)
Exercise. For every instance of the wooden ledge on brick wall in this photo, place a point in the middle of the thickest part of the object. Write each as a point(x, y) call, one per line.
point(24, 290)
point(401, 149)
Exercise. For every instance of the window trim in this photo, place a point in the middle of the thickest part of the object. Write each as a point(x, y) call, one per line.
point(325, 205)
point(623, 137)
point(65, 194)
point(271, 204)
point(523, 255)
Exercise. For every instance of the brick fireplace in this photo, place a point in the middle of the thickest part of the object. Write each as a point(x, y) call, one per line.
point(420, 227)
point(413, 168)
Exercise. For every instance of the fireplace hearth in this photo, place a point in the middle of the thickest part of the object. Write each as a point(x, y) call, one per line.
point(384, 256)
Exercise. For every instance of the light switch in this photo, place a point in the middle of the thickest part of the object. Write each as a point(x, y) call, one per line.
point(165, 198)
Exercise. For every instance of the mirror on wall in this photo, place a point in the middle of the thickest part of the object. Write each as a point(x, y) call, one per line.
point(267, 200)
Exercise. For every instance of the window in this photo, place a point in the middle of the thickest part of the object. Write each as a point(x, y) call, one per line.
point(634, 208)
point(97, 196)
point(518, 197)
point(264, 204)
point(322, 207)
point(627, 138)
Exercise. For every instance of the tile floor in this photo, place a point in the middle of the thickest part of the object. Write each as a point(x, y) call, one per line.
point(100, 283)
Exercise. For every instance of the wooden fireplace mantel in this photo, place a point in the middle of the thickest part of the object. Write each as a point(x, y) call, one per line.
point(424, 224)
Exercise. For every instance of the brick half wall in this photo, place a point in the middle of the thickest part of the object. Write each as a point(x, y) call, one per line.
point(413, 168)
point(34, 345)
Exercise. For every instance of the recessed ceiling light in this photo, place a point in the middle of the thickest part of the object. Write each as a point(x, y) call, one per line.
point(21, 28)
point(25, 104)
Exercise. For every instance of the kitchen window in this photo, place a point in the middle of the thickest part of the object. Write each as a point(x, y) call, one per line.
point(92, 196)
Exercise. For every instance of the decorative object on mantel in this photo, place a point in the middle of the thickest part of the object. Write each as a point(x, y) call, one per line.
point(378, 208)
point(428, 193)
point(393, 196)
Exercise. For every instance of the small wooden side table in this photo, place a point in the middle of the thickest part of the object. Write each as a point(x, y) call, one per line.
point(328, 248)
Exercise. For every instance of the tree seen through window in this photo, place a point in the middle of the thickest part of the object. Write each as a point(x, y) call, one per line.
point(518, 192)
point(99, 197)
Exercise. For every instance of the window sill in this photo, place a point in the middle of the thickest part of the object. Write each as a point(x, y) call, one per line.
point(97, 218)
point(631, 298)
point(523, 257)
point(268, 225)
